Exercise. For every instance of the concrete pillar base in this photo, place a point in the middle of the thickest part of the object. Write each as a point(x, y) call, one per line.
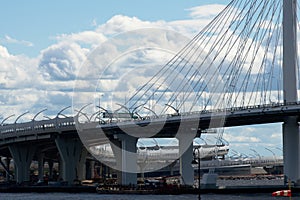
point(291, 144)
point(70, 150)
point(50, 164)
point(22, 155)
point(41, 165)
point(81, 167)
point(8, 175)
point(186, 168)
point(124, 148)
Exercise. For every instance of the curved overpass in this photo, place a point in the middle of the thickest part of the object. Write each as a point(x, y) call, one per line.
point(56, 138)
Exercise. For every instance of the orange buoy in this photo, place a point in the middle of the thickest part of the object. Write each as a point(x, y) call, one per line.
point(284, 193)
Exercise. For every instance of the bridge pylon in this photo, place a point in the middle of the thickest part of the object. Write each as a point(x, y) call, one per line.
point(291, 142)
point(124, 149)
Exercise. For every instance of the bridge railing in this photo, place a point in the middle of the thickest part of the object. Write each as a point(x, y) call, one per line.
point(35, 127)
point(252, 161)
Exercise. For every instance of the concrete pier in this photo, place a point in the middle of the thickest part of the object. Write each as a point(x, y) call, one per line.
point(70, 150)
point(81, 166)
point(291, 142)
point(22, 155)
point(7, 168)
point(186, 168)
point(185, 161)
point(40, 165)
point(125, 151)
point(50, 165)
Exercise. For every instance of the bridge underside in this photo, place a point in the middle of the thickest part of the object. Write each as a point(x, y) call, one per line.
point(188, 125)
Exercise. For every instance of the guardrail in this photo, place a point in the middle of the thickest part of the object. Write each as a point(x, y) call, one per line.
point(251, 161)
point(34, 127)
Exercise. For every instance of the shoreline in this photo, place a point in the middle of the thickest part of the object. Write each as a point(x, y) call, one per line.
point(160, 191)
point(225, 185)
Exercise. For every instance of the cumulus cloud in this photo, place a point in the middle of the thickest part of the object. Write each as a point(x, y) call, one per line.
point(48, 80)
point(61, 61)
point(17, 71)
point(54, 71)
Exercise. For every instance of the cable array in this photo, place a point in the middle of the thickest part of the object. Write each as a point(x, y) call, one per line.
point(234, 61)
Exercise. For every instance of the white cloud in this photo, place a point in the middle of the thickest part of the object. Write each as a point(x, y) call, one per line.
point(120, 23)
point(62, 61)
point(47, 80)
point(17, 71)
point(91, 38)
point(9, 40)
point(206, 11)
point(242, 138)
point(3, 52)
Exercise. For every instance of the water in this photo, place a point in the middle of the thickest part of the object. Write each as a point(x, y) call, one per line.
point(94, 196)
point(83, 196)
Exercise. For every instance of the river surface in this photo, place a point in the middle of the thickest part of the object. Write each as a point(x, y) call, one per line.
point(95, 196)
point(82, 196)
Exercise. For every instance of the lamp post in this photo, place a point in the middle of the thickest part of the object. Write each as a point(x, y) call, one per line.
point(256, 153)
point(2, 123)
point(99, 112)
point(274, 155)
point(196, 160)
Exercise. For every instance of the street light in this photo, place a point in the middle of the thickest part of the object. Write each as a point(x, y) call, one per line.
point(197, 161)
point(156, 116)
point(274, 155)
point(20, 116)
point(176, 110)
point(60, 112)
point(256, 153)
point(99, 112)
point(2, 123)
point(33, 119)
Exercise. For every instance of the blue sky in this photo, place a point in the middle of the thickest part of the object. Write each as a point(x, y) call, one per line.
point(43, 43)
point(38, 22)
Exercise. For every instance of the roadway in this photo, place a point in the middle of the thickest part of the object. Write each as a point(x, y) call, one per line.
point(168, 124)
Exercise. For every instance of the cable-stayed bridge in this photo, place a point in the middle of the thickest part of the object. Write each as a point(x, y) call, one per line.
point(241, 69)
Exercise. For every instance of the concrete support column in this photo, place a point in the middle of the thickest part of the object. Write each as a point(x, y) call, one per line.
point(171, 166)
point(108, 172)
point(50, 164)
point(101, 170)
point(290, 58)
point(81, 168)
point(41, 165)
point(291, 142)
point(92, 169)
point(88, 170)
point(185, 161)
point(126, 159)
point(60, 168)
point(8, 169)
point(142, 165)
point(22, 155)
point(291, 145)
point(70, 150)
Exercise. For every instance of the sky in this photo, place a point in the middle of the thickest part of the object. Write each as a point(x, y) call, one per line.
point(43, 44)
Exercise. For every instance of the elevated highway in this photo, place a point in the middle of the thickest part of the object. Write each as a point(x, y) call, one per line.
point(51, 138)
